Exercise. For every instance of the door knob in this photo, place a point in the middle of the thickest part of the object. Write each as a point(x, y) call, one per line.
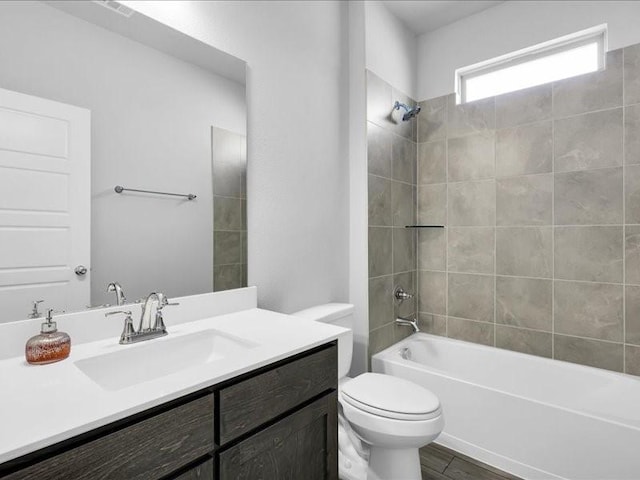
point(81, 270)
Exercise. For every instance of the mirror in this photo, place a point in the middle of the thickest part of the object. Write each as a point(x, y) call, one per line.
point(95, 96)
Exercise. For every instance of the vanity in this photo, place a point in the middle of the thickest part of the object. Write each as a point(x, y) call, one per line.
point(256, 397)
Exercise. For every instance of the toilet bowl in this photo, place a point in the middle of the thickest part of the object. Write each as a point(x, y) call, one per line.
point(393, 417)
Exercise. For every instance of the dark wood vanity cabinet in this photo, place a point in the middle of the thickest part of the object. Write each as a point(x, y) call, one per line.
point(302, 445)
point(279, 421)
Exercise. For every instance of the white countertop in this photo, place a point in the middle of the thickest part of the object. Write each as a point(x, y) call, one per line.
point(43, 405)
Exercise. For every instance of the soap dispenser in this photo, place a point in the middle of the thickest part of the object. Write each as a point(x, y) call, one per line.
point(50, 345)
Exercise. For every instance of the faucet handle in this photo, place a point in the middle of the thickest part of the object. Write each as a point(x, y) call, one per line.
point(163, 301)
point(115, 312)
point(128, 331)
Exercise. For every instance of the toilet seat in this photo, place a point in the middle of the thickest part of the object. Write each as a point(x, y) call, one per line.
point(390, 397)
point(388, 414)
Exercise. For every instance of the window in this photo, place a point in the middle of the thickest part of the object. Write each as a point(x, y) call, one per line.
point(564, 57)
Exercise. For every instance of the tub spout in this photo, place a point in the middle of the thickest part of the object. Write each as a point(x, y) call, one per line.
point(409, 322)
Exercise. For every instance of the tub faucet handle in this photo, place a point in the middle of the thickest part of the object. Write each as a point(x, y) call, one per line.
point(401, 295)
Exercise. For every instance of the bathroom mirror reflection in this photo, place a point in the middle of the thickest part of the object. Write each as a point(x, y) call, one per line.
point(92, 98)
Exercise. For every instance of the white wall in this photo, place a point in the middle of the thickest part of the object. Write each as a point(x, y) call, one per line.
point(391, 48)
point(359, 200)
point(151, 120)
point(511, 26)
point(298, 169)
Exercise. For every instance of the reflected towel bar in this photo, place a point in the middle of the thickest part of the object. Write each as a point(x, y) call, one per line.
point(188, 196)
point(424, 226)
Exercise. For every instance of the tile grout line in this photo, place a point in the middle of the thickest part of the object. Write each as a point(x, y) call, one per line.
point(393, 265)
point(551, 118)
point(495, 224)
point(514, 176)
point(518, 327)
point(624, 228)
point(553, 227)
point(391, 179)
point(446, 219)
point(417, 233)
point(416, 236)
point(551, 279)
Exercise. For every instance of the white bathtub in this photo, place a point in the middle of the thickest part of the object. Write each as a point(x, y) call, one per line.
point(533, 417)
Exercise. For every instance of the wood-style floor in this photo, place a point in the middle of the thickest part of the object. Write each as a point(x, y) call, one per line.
point(441, 463)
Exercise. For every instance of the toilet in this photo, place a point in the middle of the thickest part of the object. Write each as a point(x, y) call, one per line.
point(392, 416)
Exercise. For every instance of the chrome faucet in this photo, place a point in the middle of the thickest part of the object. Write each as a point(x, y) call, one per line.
point(34, 309)
point(145, 330)
point(120, 298)
point(409, 323)
point(145, 317)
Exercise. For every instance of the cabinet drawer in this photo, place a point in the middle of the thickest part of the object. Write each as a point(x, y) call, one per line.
point(147, 450)
point(256, 400)
point(302, 445)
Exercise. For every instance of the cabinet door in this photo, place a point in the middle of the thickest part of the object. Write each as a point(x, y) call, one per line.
point(204, 471)
point(259, 399)
point(302, 445)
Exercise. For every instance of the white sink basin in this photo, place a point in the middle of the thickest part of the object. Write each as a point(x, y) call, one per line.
point(157, 358)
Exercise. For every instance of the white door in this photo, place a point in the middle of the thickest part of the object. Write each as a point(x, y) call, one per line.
point(45, 185)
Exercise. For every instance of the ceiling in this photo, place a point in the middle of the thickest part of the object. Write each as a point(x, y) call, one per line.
point(423, 16)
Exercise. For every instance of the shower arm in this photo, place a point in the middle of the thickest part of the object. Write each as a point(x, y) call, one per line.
point(399, 105)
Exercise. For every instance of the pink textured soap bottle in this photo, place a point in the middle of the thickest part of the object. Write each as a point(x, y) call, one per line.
point(49, 346)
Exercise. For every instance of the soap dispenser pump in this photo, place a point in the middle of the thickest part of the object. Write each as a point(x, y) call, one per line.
point(50, 345)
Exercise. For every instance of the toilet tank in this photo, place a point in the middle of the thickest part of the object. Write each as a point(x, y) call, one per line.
point(341, 315)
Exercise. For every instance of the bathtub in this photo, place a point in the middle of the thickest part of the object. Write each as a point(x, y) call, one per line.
point(533, 417)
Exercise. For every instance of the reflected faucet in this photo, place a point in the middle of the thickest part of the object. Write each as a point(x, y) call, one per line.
point(115, 287)
point(34, 309)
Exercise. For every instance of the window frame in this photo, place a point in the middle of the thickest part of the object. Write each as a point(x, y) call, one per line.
point(558, 45)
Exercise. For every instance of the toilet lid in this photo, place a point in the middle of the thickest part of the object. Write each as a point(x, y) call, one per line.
point(391, 397)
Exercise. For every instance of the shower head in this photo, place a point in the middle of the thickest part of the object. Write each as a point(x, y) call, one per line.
point(409, 112)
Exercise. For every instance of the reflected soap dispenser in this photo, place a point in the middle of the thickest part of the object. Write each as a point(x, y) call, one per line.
point(50, 345)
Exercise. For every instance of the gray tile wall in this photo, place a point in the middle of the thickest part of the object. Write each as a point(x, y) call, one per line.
point(229, 209)
point(392, 154)
point(540, 192)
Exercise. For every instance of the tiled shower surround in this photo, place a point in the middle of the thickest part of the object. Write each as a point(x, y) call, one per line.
point(392, 151)
point(540, 193)
point(229, 166)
